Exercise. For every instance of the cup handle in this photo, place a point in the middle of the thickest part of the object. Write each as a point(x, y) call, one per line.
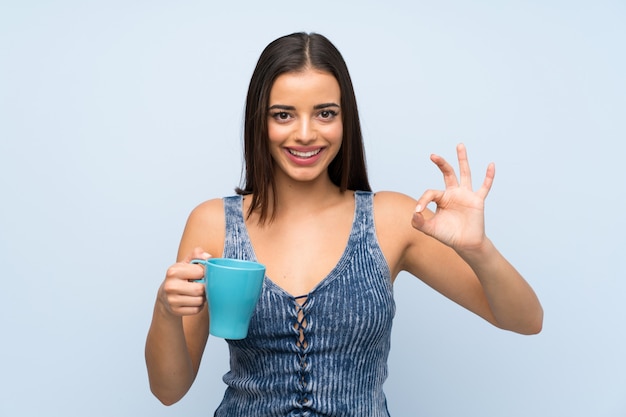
point(202, 262)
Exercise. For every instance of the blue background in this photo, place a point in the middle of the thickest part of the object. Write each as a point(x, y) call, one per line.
point(118, 117)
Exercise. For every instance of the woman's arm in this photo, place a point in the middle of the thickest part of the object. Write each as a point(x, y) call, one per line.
point(180, 322)
point(450, 252)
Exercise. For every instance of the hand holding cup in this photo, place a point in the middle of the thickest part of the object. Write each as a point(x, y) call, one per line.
point(179, 294)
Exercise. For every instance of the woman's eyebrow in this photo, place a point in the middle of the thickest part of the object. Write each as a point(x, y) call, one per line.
point(281, 107)
point(291, 108)
point(325, 105)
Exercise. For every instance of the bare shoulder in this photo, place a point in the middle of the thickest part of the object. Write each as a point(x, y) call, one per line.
point(390, 201)
point(208, 211)
point(394, 209)
point(205, 228)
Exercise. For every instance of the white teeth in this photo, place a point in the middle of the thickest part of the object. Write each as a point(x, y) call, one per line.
point(304, 154)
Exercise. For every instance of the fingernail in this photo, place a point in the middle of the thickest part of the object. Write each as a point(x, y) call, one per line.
point(418, 208)
point(206, 255)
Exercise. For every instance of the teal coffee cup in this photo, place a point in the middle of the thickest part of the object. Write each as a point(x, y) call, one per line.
point(233, 288)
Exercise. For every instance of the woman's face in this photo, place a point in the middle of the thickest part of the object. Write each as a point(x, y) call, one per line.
point(304, 124)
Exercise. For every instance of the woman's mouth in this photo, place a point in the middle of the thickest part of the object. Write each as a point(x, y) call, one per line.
point(304, 155)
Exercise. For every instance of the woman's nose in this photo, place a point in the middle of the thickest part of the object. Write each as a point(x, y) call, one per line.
point(306, 132)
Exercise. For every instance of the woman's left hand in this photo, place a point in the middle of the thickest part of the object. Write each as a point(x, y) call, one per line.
point(459, 218)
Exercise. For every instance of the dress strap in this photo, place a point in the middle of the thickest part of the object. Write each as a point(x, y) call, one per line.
point(236, 242)
point(364, 210)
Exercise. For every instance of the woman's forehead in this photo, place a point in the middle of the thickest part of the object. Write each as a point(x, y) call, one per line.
point(304, 86)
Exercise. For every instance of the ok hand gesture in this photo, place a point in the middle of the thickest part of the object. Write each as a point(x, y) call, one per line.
point(459, 218)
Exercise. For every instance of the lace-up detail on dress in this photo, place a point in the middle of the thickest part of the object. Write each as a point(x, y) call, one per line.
point(322, 354)
point(302, 348)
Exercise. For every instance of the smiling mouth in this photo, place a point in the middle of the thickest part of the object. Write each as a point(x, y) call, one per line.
point(305, 155)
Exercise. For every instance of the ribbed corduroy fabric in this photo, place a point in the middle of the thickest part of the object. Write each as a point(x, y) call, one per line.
point(320, 355)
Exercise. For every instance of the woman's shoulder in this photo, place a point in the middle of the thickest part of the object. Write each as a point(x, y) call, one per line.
point(205, 227)
point(393, 211)
point(207, 208)
point(393, 201)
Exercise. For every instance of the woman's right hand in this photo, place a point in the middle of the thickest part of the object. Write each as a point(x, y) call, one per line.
point(179, 294)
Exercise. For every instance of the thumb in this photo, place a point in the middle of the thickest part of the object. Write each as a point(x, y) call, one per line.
point(419, 222)
point(422, 219)
point(197, 253)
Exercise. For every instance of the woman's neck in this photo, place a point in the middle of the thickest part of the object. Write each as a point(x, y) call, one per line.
point(313, 195)
point(302, 199)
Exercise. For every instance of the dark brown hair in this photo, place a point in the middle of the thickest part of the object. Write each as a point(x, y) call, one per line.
point(293, 53)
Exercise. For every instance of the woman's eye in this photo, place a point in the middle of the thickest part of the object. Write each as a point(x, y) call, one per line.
point(281, 115)
point(327, 114)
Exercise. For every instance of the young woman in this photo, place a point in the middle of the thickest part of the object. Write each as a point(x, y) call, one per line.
point(319, 338)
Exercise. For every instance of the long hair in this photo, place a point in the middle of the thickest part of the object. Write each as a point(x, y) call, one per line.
point(293, 53)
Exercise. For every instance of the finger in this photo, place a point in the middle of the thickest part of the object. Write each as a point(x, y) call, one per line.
point(186, 287)
point(184, 271)
point(488, 182)
point(187, 307)
point(189, 311)
point(449, 176)
point(464, 168)
point(182, 301)
point(429, 196)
